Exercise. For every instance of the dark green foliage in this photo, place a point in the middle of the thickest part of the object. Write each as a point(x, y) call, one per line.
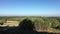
point(1, 23)
point(33, 23)
point(39, 22)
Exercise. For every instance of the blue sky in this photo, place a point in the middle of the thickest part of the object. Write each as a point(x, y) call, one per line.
point(29, 7)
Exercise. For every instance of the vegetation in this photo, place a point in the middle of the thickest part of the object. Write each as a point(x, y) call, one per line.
point(42, 23)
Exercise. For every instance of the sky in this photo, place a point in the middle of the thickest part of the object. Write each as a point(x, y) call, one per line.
point(29, 7)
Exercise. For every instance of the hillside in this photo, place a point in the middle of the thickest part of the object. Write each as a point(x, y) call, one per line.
point(41, 24)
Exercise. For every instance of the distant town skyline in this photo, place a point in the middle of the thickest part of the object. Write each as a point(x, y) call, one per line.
point(29, 7)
